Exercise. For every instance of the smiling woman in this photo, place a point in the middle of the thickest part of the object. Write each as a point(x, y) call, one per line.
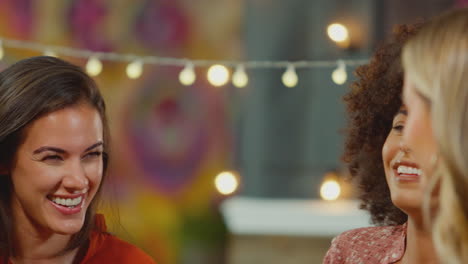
point(390, 181)
point(54, 142)
point(436, 92)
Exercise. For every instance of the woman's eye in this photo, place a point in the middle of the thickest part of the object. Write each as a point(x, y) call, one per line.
point(398, 128)
point(52, 158)
point(94, 154)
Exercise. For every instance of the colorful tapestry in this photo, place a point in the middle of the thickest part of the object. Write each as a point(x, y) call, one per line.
point(169, 140)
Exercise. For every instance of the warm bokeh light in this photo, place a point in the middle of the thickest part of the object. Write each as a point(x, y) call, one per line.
point(330, 190)
point(135, 69)
point(338, 32)
point(339, 75)
point(226, 182)
point(2, 52)
point(94, 66)
point(240, 78)
point(187, 75)
point(218, 75)
point(289, 77)
point(50, 53)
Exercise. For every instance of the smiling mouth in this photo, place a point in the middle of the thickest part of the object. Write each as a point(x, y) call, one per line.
point(402, 169)
point(407, 173)
point(66, 202)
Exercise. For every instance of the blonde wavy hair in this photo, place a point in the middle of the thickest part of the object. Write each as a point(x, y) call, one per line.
point(436, 60)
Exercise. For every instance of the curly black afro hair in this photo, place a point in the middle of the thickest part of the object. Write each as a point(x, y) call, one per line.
point(371, 104)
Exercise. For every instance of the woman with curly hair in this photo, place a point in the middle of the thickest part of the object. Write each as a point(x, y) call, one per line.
point(390, 183)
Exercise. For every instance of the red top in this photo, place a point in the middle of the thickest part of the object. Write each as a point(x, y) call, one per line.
point(106, 248)
point(368, 245)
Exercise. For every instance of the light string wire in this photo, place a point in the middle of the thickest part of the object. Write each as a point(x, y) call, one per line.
point(170, 61)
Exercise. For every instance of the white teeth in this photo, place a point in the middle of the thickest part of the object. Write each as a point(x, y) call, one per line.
point(408, 170)
point(67, 202)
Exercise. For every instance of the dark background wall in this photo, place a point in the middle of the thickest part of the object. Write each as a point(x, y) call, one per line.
point(290, 137)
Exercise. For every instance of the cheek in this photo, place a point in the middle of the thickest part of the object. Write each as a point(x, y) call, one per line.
point(385, 153)
point(94, 173)
point(386, 159)
point(415, 129)
point(389, 150)
point(34, 181)
point(410, 132)
point(419, 138)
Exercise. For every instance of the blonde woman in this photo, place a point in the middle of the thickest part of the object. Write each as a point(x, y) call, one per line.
point(436, 94)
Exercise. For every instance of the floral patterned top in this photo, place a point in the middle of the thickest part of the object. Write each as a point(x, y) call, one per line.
point(368, 245)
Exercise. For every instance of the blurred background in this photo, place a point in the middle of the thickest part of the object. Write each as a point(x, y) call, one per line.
point(204, 170)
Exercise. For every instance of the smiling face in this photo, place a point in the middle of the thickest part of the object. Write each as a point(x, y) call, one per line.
point(419, 135)
point(57, 170)
point(402, 172)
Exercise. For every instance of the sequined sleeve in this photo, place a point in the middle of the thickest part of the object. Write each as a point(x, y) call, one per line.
point(370, 245)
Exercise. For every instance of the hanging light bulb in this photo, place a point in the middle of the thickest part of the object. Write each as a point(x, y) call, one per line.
point(289, 77)
point(94, 66)
point(240, 78)
point(339, 75)
point(218, 75)
point(187, 75)
point(2, 52)
point(134, 69)
point(50, 53)
point(226, 182)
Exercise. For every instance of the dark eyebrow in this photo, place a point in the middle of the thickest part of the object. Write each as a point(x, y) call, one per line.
point(61, 151)
point(403, 112)
point(42, 149)
point(100, 143)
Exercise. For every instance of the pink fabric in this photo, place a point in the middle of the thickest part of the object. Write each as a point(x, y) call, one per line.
point(461, 3)
point(368, 245)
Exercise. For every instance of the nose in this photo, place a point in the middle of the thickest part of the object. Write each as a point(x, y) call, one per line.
point(404, 148)
point(75, 177)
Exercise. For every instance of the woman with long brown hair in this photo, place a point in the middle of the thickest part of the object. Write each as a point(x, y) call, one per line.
point(54, 147)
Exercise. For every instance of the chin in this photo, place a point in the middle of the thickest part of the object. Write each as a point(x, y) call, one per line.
point(407, 203)
point(410, 209)
point(68, 227)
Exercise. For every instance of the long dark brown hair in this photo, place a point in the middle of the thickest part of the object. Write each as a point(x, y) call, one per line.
point(30, 89)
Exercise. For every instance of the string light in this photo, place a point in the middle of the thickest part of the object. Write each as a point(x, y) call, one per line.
point(240, 78)
point(135, 69)
point(218, 75)
point(187, 75)
point(94, 66)
point(289, 77)
point(339, 75)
